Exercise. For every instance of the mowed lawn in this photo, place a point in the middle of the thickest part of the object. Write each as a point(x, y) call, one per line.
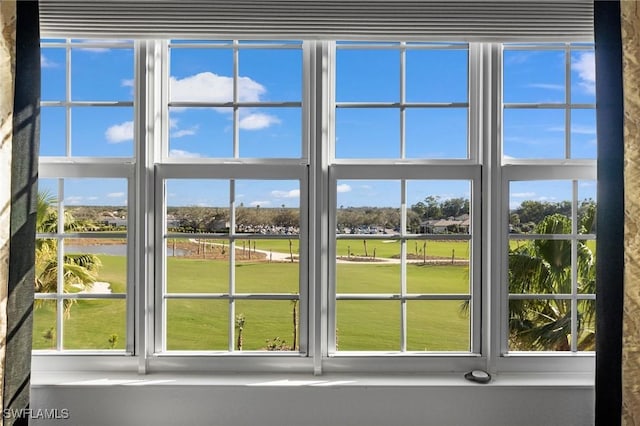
point(196, 324)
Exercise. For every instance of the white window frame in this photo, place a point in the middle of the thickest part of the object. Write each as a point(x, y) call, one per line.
point(317, 171)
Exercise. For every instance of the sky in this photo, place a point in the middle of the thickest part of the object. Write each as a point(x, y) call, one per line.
point(270, 75)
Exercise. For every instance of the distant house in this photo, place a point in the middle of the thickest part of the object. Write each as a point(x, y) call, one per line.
point(456, 225)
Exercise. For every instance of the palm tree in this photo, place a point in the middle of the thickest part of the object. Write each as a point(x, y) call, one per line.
point(544, 267)
point(79, 270)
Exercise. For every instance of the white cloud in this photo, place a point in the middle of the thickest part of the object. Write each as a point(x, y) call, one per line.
point(119, 133)
point(257, 121)
point(73, 199)
point(115, 194)
point(585, 66)
point(178, 153)
point(259, 203)
point(210, 87)
point(294, 193)
point(127, 83)
point(46, 63)
point(94, 49)
point(343, 188)
point(185, 132)
point(547, 86)
point(523, 194)
point(173, 123)
point(583, 130)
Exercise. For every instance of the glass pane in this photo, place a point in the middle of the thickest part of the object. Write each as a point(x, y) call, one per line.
point(534, 76)
point(533, 205)
point(111, 68)
point(44, 325)
point(270, 132)
point(584, 143)
point(534, 133)
point(197, 266)
point(367, 75)
point(270, 325)
point(359, 275)
point(197, 325)
point(277, 72)
point(197, 205)
point(436, 75)
point(367, 133)
point(540, 266)
point(96, 324)
point(438, 326)
point(102, 131)
point(202, 75)
point(439, 206)
point(586, 325)
point(104, 259)
point(438, 267)
point(268, 207)
point(53, 131)
point(200, 132)
point(368, 325)
point(583, 77)
point(53, 78)
point(539, 325)
point(261, 270)
point(95, 205)
point(436, 133)
point(587, 208)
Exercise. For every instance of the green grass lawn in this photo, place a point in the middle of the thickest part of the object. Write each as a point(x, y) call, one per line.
point(204, 324)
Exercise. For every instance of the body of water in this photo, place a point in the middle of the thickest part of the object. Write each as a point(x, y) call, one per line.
point(111, 249)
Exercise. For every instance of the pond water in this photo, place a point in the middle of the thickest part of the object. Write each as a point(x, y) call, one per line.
point(111, 249)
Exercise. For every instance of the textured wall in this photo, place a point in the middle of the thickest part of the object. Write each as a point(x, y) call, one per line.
point(631, 327)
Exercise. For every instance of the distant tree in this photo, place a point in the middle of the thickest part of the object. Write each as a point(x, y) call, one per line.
point(454, 207)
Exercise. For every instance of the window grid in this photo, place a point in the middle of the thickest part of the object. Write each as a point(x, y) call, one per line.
point(567, 169)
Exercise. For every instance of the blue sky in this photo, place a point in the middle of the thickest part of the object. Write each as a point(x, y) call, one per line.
point(269, 75)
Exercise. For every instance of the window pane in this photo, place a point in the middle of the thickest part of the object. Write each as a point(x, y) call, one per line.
point(197, 325)
point(534, 76)
point(101, 74)
point(436, 75)
point(583, 76)
point(584, 143)
point(201, 75)
point(256, 270)
point(96, 324)
point(367, 75)
point(587, 207)
point(533, 203)
point(200, 132)
point(586, 325)
point(267, 325)
point(367, 133)
point(439, 206)
point(534, 133)
point(198, 205)
point(368, 325)
point(44, 325)
point(540, 266)
point(268, 207)
point(438, 326)
point(53, 131)
point(270, 132)
point(271, 83)
point(438, 267)
point(53, 78)
point(197, 266)
point(102, 131)
point(436, 133)
point(104, 259)
point(95, 205)
point(361, 274)
point(540, 325)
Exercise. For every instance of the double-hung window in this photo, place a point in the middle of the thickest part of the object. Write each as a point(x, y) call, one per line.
point(317, 205)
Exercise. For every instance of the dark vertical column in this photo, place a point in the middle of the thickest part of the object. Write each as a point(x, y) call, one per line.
point(24, 175)
point(610, 221)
